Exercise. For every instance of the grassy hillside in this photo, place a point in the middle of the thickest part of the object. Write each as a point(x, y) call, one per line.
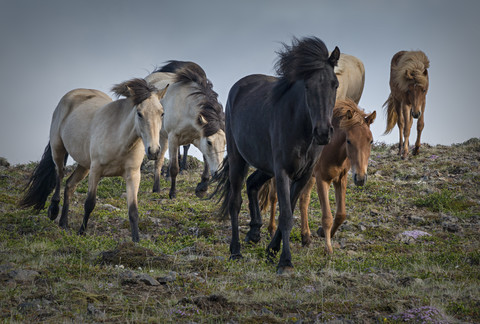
point(409, 251)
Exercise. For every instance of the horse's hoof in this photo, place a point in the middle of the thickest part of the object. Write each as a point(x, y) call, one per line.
point(416, 150)
point(53, 211)
point(236, 256)
point(252, 238)
point(306, 240)
point(200, 193)
point(172, 195)
point(320, 232)
point(286, 271)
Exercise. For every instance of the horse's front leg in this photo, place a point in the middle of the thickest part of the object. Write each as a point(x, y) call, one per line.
point(272, 197)
point(327, 219)
point(303, 205)
point(132, 179)
point(340, 187)
point(159, 161)
point(406, 131)
point(91, 200)
point(202, 186)
point(183, 163)
point(420, 125)
point(254, 183)
point(173, 167)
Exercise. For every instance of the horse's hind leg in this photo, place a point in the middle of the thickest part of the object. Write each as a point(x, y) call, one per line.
point(60, 156)
point(238, 169)
point(254, 182)
point(202, 186)
point(327, 219)
point(401, 127)
point(303, 205)
point(91, 200)
point(78, 175)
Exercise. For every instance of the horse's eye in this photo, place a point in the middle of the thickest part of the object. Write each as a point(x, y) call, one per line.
point(209, 143)
point(348, 142)
point(139, 114)
point(163, 114)
point(371, 142)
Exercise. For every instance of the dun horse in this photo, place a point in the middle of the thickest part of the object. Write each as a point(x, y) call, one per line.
point(349, 148)
point(192, 115)
point(351, 78)
point(278, 125)
point(106, 139)
point(408, 90)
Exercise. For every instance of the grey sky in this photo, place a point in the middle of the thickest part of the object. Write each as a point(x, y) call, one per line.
point(51, 47)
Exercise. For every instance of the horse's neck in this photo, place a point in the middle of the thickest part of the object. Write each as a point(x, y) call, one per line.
point(126, 128)
point(337, 150)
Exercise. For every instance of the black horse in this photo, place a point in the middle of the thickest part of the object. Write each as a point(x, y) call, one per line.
point(279, 126)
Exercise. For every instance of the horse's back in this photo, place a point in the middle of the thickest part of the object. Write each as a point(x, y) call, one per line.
point(350, 72)
point(72, 118)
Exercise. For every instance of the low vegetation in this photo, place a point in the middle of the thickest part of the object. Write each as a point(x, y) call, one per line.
point(408, 252)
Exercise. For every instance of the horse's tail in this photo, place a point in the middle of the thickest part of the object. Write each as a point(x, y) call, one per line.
point(41, 182)
point(222, 180)
point(391, 112)
point(264, 196)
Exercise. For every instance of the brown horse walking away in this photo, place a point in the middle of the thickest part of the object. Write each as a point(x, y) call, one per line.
point(408, 90)
point(349, 148)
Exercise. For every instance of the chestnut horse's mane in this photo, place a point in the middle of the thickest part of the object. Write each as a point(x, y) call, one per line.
point(341, 112)
point(411, 68)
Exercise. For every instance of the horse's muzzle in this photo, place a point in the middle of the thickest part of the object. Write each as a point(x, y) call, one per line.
point(152, 154)
point(359, 181)
point(417, 114)
point(322, 137)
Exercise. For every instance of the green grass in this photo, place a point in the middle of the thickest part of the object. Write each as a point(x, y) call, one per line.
point(373, 276)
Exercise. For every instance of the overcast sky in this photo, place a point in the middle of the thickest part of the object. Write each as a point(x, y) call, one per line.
point(48, 48)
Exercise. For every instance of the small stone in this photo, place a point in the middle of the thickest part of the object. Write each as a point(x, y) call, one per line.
point(451, 227)
point(110, 207)
point(148, 280)
point(416, 219)
point(23, 275)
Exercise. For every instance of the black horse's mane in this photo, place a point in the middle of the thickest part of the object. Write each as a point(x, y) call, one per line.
point(210, 108)
point(298, 62)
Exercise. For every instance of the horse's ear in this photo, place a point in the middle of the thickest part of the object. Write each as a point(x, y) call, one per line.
point(161, 93)
point(349, 114)
point(408, 75)
point(371, 118)
point(202, 120)
point(334, 57)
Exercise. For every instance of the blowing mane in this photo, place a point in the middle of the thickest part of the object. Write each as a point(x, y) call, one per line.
point(298, 62)
point(136, 89)
point(210, 109)
point(341, 112)
point(411, 68)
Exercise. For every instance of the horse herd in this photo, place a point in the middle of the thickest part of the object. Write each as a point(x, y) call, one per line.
point(299, 127)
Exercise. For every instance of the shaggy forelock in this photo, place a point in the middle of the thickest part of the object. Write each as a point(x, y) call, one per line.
point(137, 89)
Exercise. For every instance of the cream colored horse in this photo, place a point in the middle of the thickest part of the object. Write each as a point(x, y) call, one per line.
point(106, 139)
point(192, 115)
point(350, 73)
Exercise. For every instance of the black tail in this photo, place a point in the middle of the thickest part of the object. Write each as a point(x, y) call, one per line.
point(222, 181)
point(41, 183)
